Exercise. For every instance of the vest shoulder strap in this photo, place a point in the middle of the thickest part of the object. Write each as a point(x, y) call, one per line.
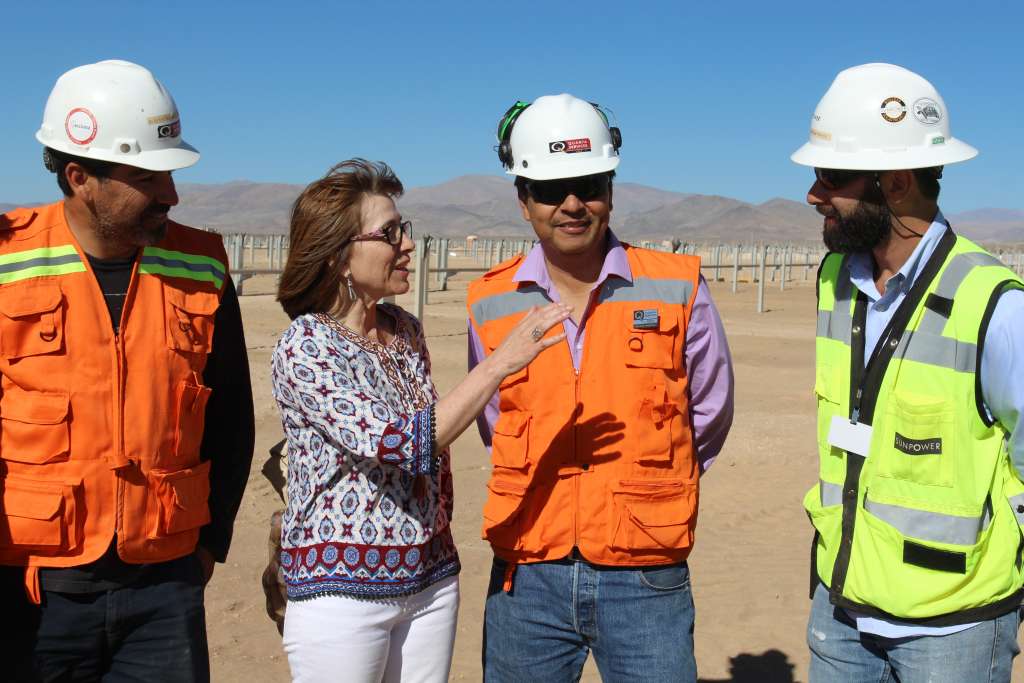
point(828, 278)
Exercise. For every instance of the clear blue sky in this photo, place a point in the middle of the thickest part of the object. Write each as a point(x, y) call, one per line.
point(711, 97)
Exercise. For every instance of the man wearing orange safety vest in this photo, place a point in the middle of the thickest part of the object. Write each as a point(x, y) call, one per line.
point(126, 423)
point(599, 444)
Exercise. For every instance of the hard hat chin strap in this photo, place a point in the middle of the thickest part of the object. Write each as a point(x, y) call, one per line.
point(878, 184)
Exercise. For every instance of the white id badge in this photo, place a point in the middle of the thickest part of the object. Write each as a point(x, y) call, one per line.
point(852, 437)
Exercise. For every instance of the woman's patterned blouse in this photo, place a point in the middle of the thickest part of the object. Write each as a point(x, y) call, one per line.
point(369, 508)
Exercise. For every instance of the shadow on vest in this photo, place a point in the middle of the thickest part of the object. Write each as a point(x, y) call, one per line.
point(600, 431)
point(771, 666)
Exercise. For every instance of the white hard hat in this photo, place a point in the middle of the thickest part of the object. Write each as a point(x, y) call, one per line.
point(881, 117)
point(115, 111)
point(558, 136)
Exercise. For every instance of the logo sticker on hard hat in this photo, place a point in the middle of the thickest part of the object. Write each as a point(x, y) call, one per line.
point(80, 125)
point(927, 111)
point(570, 146)
point(894, 109)
point(169, 130)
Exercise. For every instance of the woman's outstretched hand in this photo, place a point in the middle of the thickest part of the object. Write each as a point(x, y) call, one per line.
point(529, 338)
point(460, 406)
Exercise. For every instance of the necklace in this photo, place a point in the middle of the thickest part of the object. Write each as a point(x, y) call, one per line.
point(361, 339)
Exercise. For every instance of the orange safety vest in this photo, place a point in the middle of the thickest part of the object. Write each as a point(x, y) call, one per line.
point(601, 459)
point(100, 433)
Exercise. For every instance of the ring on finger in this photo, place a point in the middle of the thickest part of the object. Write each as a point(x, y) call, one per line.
point(537, 333)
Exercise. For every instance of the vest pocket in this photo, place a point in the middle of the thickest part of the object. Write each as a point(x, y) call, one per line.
point(34, 426)
point(190, 317)
point(31, 321)
point(823, 504)
point(182, 500)
point(191, 420)
point(652, 514)
point(934, 562)
point(916, 441)
point(501, 512)
point(40, 516)
point(653, 442)
point(510, 443)
point(654, 347)
point(827, 385)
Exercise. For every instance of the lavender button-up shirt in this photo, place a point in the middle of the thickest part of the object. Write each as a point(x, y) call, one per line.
point(708, 364)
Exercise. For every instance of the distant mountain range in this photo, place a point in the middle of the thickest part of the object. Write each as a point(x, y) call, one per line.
point(485, 206)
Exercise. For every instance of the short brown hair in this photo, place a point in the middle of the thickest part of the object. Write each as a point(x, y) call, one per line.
point(324, 217)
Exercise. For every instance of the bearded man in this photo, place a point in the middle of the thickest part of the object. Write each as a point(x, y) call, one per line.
point(918, 513)
point(126, 418)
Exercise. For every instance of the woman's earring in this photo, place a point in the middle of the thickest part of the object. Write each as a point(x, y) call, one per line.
point(351, 289)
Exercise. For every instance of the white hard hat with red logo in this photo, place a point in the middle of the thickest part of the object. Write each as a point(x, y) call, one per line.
point(881, 117)
point(115, 111)
point(558, 136)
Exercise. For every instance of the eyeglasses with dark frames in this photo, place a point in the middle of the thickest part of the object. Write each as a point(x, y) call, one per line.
point(390, 233)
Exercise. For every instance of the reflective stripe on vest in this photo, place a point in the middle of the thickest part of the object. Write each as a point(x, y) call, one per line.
point(927, 526)
point(673, 292)
point(836, 323)
point(934, 349)
point(676, 292)
point(509, 303)
point(931, 526)
point(22, 265)
point(831, 494)
point(156, 261)
point(956, 272)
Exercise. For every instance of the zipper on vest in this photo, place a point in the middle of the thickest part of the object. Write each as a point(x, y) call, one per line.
point(575, 457)
point(119, 352)
point(119, 355)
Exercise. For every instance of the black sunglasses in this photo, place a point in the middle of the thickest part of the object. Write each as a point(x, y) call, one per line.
point(836, 178)
point(390, 233)
point(553, 192)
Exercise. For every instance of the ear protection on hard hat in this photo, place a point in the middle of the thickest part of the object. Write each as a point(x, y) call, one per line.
point(508, 120)
point(48, 160)
point(505, 124)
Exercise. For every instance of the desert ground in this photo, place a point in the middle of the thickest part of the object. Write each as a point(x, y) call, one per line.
point(750, 563)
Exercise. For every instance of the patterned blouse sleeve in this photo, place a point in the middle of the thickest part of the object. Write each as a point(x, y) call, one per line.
point(326, 392)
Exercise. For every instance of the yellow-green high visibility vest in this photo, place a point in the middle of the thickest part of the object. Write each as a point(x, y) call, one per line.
point(928, 527)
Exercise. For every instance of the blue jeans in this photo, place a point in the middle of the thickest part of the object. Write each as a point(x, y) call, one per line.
point(637, 622)
point(151, 630)
point(841, 654)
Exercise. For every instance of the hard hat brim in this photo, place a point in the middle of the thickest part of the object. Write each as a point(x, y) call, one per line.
point(167, 159)
point(821, 156)
point(180, 156)
point(574, 169)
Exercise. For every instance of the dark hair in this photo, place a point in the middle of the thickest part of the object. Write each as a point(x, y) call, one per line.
point(57, 162)
point(324, 217)
point(928, 181)
point(521, 184)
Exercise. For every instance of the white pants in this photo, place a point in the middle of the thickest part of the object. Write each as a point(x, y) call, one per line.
point(409, 639)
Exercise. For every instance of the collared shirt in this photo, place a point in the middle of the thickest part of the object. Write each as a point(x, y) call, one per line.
point(708, 363)
point(1002, 371)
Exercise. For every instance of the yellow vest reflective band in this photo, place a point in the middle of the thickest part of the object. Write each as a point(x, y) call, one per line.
point(928, 527)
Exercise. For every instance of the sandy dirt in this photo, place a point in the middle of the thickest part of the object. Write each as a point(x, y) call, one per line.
point(750, 563)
